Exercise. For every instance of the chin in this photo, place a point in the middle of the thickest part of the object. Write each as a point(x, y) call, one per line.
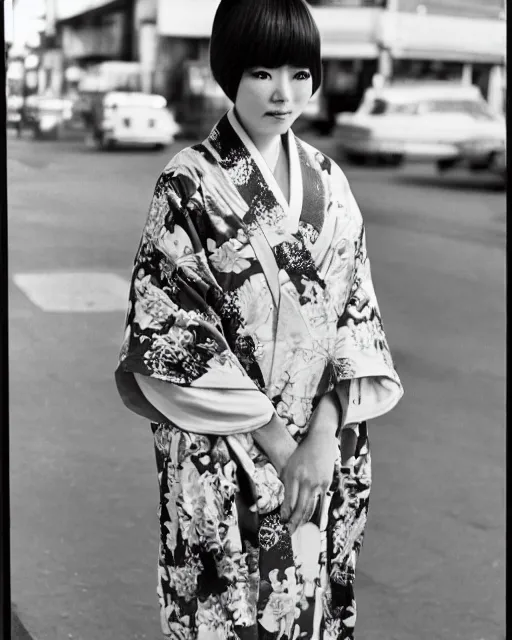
point(280, 127)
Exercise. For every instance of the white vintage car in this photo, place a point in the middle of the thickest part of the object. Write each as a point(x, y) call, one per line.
point(129, 118)
point(442, 122)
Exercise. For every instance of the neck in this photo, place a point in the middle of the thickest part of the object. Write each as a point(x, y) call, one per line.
point(268, 146)
point(270, 150)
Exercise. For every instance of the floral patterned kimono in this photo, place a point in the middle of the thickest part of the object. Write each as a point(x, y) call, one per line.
point(242, 304)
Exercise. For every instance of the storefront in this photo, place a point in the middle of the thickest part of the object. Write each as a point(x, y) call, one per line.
point(182, 72)
point(51, 72)
point(350, 53)
point(397, 39)
point(422, 47)
point(183, 35)
point(349, 49)
point(410, 40)
point(472, 9)
point(86, 32)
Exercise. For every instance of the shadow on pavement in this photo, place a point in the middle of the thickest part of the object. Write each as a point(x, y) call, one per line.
point(18, 631)
point(452, 183)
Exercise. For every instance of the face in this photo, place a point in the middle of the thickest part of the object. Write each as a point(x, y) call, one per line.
point(269, 101)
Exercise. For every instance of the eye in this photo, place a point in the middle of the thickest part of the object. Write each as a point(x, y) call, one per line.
point(304, 74)
point(260, 75)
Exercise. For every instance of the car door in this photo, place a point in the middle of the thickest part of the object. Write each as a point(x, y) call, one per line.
point(398, 123)
point(444, 121)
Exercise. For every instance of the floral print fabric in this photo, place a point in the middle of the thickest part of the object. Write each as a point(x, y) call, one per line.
point(221, 577)
point(203, 311)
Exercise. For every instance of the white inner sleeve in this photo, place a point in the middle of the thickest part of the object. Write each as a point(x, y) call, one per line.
point(208, 411)
point(367, 398)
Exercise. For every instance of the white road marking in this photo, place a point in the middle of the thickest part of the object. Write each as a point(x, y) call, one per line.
point(82, 291)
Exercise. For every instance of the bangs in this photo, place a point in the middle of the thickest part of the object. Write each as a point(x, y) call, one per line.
point(281, 33)
point(262, 33)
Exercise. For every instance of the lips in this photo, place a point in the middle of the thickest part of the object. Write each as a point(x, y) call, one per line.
point(279, 115)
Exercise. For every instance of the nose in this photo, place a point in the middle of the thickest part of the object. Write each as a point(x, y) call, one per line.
point(282, 89)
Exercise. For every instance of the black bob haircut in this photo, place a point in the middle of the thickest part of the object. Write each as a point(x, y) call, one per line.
point(266, 33)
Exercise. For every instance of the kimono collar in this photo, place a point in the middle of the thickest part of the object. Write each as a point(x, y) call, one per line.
point(230, 141)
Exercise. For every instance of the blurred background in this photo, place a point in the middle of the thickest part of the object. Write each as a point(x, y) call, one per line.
point(101, 94)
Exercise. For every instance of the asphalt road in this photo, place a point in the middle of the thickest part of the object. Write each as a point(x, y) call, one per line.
point(83, 483)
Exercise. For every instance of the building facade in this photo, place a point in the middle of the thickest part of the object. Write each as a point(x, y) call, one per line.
point(462, 40)
point(79, 33)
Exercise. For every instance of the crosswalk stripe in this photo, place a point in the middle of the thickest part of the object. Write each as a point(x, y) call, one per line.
point(74, 291)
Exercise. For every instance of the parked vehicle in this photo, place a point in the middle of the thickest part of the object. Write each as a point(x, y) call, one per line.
point(130, 118)
point(103, 78)
point(46, 116)
point(116, 112)
point(15, 111)
point(480, 155)
point(430, 122)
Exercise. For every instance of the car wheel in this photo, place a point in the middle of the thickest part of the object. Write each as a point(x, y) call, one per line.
point(496, 167)
point(93, 140)
point(105, 144)
point(358, 159)
point(445, 164)
point(37, 134)
point(55, 133)
point(393, 159)
point(493, 162)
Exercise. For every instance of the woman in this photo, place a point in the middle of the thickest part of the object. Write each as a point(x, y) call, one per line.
point(254, 344)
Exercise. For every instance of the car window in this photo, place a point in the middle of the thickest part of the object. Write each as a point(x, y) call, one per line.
point(378, 107)
point(381, 106)
point(477, 109)
point(407, 108)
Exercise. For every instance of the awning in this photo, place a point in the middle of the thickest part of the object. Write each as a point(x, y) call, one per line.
point(435, 37)
point(341, 50)
point(448, 55)
point(64, 10)
point(186, 18)
point(194, 19)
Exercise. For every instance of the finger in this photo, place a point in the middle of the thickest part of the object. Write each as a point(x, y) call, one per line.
point(365, 300)
point(310, 510)
point(354, 313)
point(306, 494)
point(360, 300)
point(303, 515)
point(291, 493)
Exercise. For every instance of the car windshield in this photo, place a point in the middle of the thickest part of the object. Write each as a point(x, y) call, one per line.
point(478, 109)
point(381, 106)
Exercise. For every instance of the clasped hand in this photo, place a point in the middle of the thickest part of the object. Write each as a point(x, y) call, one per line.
point(307, 476)
point(306, 470)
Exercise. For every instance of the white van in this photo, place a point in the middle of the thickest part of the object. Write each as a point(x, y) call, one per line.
point(132, 118)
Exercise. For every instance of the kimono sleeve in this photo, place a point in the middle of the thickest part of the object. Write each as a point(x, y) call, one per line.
point(367, 382)
point(173, 331)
